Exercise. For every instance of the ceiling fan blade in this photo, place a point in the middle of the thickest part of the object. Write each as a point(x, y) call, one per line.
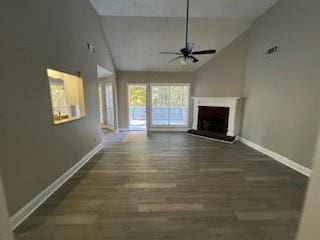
point(195, 60)
point(171, 53)
point(175, 59)
point(212, 51)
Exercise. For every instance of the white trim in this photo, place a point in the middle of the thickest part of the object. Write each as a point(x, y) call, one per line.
point(282, 159)
point(168, 129)
point(31, 206)
point(213, 139)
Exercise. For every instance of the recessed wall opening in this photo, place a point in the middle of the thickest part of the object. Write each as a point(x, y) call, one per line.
point(67, 96)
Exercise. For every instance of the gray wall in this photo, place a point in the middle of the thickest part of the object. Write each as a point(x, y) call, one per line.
point(5, 228)
point(309, 226)
point(282, 106)
point(224, 75)
point(123, 78)
point(41, 34)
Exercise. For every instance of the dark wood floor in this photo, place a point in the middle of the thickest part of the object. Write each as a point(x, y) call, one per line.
point(172, 186)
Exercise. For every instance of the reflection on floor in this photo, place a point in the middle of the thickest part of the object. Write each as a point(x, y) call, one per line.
point(172, 186)
point(137, 125)
point(135, 137)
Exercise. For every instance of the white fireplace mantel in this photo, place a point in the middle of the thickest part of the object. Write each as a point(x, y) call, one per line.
point(229, 102)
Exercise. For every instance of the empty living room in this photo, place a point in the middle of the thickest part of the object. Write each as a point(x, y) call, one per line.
point(160, 120)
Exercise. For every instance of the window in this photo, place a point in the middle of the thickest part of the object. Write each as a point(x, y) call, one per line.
point(67, 97)
point(101, 104)
point(109, 104)
point(170, 104)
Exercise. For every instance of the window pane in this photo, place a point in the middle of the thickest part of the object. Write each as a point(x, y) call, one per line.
point(137, 107)
point(179, 99)
point(109, 102)
point(160, 105)
point(101, 105)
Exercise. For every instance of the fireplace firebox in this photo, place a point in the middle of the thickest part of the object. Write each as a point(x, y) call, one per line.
point(213, 119)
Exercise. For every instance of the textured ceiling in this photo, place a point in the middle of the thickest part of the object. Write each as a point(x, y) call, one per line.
point(177, 8)
point(137, 30)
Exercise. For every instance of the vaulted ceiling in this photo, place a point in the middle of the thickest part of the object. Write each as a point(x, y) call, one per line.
point(137, 30)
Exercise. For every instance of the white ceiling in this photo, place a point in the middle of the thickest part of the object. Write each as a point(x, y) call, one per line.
point(103, 73)
point(137, 30)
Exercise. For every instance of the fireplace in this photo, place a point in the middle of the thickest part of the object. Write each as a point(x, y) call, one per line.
point(216, 118)
point(213, 119)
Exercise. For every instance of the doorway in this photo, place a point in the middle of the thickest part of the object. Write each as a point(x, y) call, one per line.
point(137, 107)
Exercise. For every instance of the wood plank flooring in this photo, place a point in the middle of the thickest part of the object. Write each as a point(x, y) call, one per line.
point(172, 186)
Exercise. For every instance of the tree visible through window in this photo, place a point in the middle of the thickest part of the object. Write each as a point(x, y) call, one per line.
point(170, 105)
point(137, 96)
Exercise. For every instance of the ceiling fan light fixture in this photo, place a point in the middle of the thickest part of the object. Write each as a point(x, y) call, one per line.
point(189, 60)
point(183, 61)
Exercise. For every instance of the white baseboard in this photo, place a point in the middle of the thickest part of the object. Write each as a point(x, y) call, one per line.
point(31, 206)
point(282, 159)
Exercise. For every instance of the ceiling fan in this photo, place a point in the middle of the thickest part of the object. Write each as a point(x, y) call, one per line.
point(186, 54)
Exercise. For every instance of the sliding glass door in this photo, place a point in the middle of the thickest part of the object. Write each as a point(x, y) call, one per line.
point(137, 111)
point(170, 105)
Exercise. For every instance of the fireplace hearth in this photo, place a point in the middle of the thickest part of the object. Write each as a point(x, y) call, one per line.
point(217, 118)
point(213, 123)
